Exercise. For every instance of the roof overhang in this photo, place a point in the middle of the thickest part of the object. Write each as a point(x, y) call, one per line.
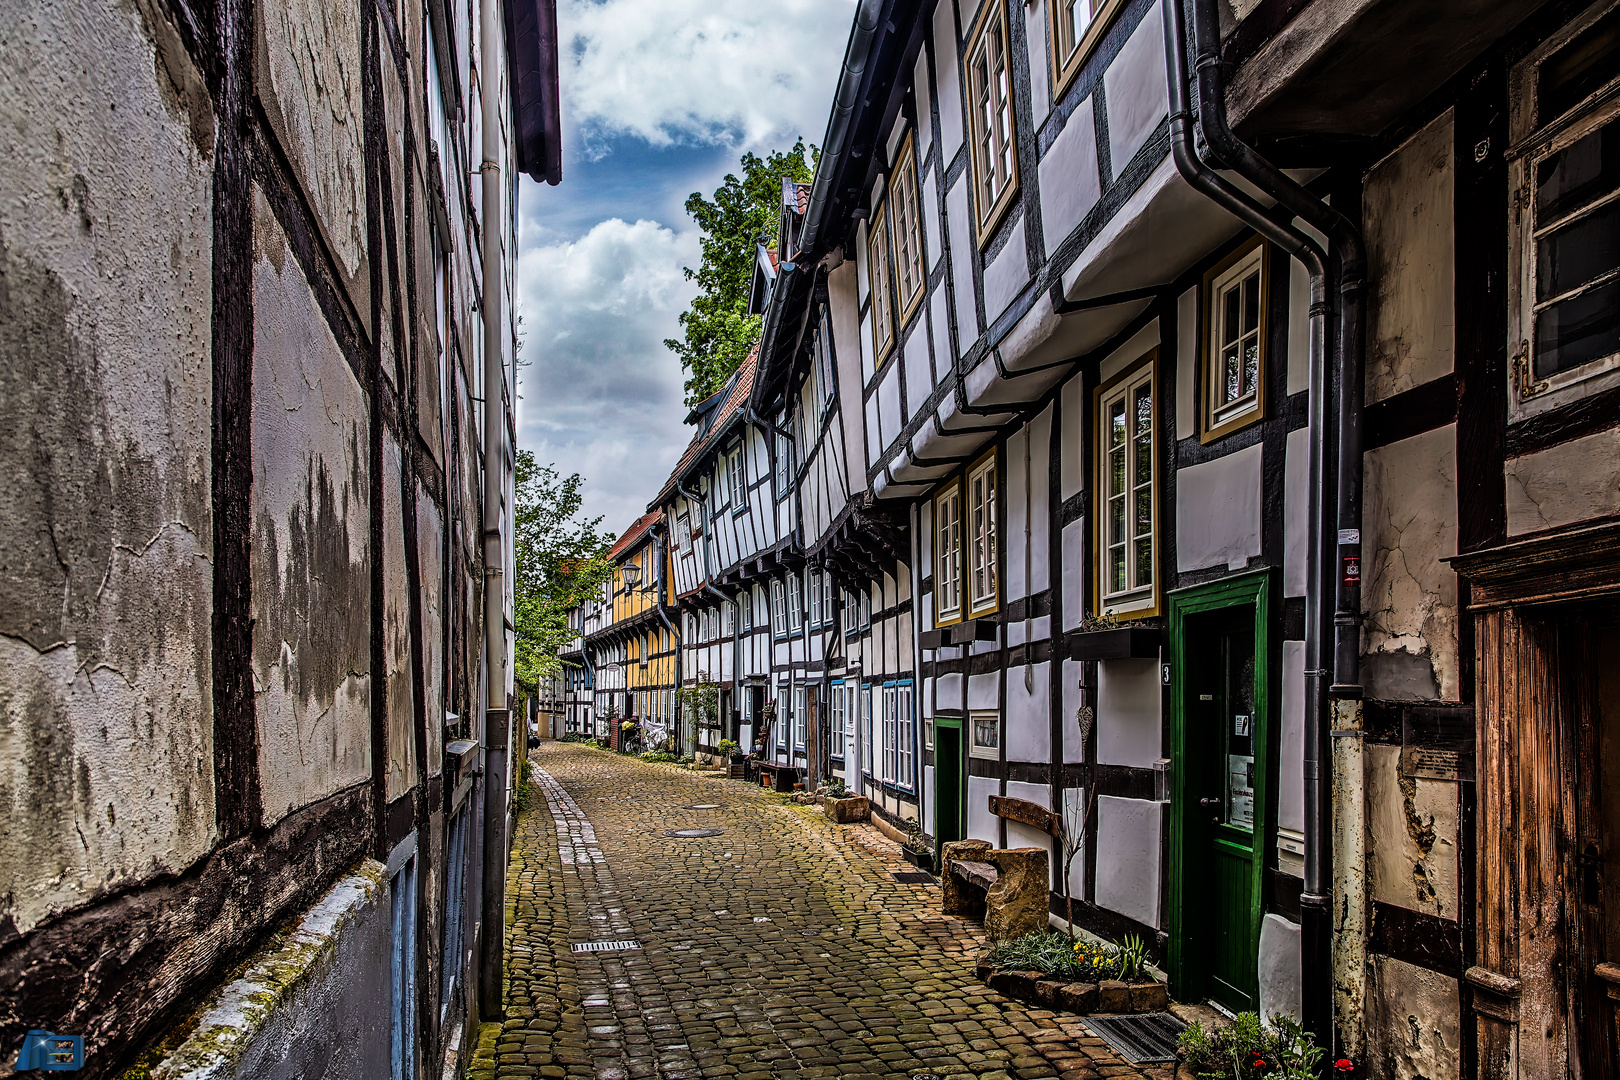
point(531, 58)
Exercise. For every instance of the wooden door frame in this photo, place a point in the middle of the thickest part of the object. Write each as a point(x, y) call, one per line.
point(957, 724)
point(1188, 971)
point(1526, 743)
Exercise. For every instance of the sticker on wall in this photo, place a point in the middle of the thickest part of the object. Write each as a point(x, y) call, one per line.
point(1240, 725)
point(1240, 791)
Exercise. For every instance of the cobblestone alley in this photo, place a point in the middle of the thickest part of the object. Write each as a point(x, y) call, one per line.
point(781, 945)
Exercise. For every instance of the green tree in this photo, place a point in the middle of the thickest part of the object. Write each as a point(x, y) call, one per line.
point(743, 213)
point(561, 561)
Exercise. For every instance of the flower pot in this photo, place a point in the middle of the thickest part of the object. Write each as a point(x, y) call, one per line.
point(1119, 643)
point(922, 860)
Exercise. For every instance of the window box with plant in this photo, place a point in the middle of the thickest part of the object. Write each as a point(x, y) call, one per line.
point(1103, 637)
point(918, 847)
point(1083, 975)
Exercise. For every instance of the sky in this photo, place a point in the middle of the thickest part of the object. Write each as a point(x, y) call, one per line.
point(660, 99)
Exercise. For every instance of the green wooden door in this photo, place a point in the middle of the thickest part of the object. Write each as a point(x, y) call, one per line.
point(949, 781)
point(1221, 819)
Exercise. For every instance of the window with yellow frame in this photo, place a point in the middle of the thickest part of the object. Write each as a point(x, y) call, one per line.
point(982, 547)
point(908, 254)
point(1234, 331)
point(990, 118)
point(877, 270)
point(1127, 511)
point(948, 554)
point(1077, 26)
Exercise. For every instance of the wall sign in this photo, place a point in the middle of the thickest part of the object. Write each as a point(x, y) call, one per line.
point(1437, 742)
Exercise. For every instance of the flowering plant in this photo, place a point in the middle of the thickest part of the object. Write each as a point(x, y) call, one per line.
point(1247, 1049)
point(628, 725)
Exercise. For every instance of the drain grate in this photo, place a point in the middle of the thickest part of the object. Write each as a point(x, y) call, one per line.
point(913, 878)
point(1141, 1039)
point(605, 946)
point(702, 806)
point(690, 834)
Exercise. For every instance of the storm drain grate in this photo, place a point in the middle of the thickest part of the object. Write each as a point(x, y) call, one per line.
point(691, 834)
point(913, 878)
point(605, 946)
point(1141, 1039)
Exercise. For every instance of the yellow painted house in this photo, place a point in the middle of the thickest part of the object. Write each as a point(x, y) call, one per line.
point(630, 637)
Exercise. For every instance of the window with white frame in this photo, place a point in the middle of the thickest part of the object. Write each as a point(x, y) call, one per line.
point(839, 719)
point(739, 478)
point(813, 588)
point(1564, 298)
point(866, 730)
point(908, 254)
point(745, 606)
point(877, 272)
point(728, 618)
point(852, 613)
point(826, 599)
point(784, 465)
point(990, 118)
point(905, 734)
point(824, 358)
point(1127, 490)
point(795, 604)
point(779, 625)
point(984, 734)
point(799, 713)
point(1235, 342)
point(948, 554)
point(981, 538)
point(890, 739)
point(722, 483)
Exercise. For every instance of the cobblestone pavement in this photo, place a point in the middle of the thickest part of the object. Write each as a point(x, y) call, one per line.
point(780, 947)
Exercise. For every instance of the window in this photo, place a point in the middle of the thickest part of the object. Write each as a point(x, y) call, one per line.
point(795, 604)
point(728, 618)
point(852, 613)
point(1128, 491)
point(981, 569)
point(1235, 342)
point(984, 734)
point(799, 740)
point(877, 272)
point(456, 954)
point(899, 733)
point(851, 707)
point(745, 607)
point(866, 730)
point(826, 599)
point(824, 359)
point(739, 478)
point(948, 555)
point(813, 587)
point(890, 739)
point(908, 254)
point(778, 610)
point(990, 118)
point(402, 969)
point(1076, 26)
point(784, 467)
point(838, 721)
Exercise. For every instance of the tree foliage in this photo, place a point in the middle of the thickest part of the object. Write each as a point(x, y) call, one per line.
point(743, 213)
point(561, 561)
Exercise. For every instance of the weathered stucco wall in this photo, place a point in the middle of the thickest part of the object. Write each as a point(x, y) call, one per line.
point(401, 774)
point(1412, 1028)
point(106, 718)
point(1409, 524)
point(1574, 481)
point(430, 539)
point(1412, 836)
point(1407, 220)
point(311, 524)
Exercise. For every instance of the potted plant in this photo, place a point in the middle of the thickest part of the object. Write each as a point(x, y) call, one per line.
point(843, 806)
point(918, 849)
point(730, 749)
point(1107, 637)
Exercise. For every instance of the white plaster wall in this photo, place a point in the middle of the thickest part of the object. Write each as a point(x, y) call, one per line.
point(1218, 511)
point(888, 399)
point(1040, 68)
point(919, 374)
point(929, 802)
point(1137, 90)
point(1073, 576)
point(957, 224)
point(311, 539)
point(1073, 749)
point(1072, 396)
point(398, 674)
point(1029, 713)
point(1128, 879)
point(106, 233)
point(949, 691)
point(983, 691)
point(981, 823)
point(1019, 835)
point(1187, 364)
point(1074, 809)
point(1296, 512)
point(1570, 482)
point(1412, 836)
point(948, 83)
point(939, 317)
point(1407, 222)
point(1279, 967)
point(1136, 346)
point(1291, 740)
point(1006, 273)
point(1412, 1024)
point(1068, 175)
point(925, 113)
point(934, 247)
point(1409, 513)
point(1128, 712)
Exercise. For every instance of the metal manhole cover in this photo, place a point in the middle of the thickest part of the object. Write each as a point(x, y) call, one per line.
point(1142, 1038)
point(702, 806)
point(605, 946)
point(691, 834)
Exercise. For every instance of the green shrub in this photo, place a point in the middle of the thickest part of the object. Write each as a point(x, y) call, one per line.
point(659, 755)
point(1246, 1049)
point(1077, 961)
point(728, 747)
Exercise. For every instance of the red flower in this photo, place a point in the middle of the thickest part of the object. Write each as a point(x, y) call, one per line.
point(1344, 1066)
point(1257, 1064)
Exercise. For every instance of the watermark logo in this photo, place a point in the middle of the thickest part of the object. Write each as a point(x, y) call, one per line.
point(51, 1053)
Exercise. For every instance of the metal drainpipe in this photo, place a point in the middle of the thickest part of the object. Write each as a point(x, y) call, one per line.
point(497, 719)
point(1329, 974)
point(1278, 228)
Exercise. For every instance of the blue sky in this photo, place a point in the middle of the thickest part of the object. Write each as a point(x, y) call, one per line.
point(660, 99)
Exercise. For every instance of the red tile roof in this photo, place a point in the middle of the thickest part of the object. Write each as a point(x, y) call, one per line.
point(802, 193)
point(635, 532)
point(742, 385)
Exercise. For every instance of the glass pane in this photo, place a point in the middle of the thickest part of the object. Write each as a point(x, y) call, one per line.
point(1116, 520)
point(1251, 302)
point(1116, 423)
point(1231, 324)
point(1578, 330)
point(1251, 364)
point(1116, 470)
point(1578, 174)
point(1144, 409)
point(1589, 61)
point(1144, 562)
point(1231, 388)
point(1116, 574)
point(1239, 729)
point(1578, 252)
point(1144, 511)
point(1144, 460)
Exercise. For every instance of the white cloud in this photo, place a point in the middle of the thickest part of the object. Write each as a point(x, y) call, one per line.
point(602, 396)
point(741, 72)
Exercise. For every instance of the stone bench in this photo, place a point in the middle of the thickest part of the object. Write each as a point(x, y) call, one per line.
point(1006, 888)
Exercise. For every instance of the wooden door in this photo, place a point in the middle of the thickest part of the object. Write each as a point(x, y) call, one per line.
point(949, 780)
point(1592, 672)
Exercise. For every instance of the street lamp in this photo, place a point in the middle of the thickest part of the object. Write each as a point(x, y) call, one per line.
point(632, 575)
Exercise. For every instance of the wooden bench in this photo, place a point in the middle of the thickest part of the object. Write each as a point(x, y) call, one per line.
point(976, 875)
point(776, 776)
point(1005, 887)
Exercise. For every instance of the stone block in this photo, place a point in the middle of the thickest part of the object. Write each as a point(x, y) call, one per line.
point(1017, 903)
point(1078, 997)
point(955, 899)
point(1149, 997)
point(1015, 984)
point(1113, 996)
point(847, 810)
point(1046, 992)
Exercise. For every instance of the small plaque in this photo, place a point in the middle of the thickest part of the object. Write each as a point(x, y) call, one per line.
point(1437, 742)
